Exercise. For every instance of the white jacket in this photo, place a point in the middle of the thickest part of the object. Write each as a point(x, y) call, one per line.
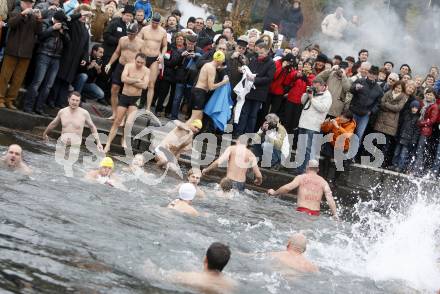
point(312, 117)
point(334, 27)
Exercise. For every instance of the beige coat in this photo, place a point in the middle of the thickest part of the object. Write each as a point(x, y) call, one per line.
point(338, 87)
point(387, 120)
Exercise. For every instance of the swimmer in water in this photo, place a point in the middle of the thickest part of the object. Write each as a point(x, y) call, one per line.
point(194, 176)
point(211, 280)
point(104, 175)
point(13, 160)
point(293, 257)
point(226, 188)
point(187, 192)
point(311, 188)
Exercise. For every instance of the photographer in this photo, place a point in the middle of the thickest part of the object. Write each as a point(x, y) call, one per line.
point(317, 102)
point(339, 85)
point(53, 39)
point(24, 24)
point(272, 136)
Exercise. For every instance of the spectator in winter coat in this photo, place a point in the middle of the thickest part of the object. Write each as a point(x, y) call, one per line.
point(366, 97)
point(317, 102)
point(334, 24)
point(48, 8)
point(338, 84)
point(407, 138)
point(387, 121)
point(99, 21)
point(206, 35)
point(428, 117)
point(391, 80)
point(24, 24)
point(235, 62)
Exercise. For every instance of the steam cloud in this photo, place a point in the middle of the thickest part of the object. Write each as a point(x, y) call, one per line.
point(188, 9)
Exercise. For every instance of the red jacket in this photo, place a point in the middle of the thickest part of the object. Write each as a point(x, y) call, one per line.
point(428, 120)
point(277, 86)
point(298, 87)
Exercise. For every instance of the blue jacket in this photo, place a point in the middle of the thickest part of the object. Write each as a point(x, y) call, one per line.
point(145, 5)
point(219, 106)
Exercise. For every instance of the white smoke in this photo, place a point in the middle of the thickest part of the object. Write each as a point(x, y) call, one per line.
point(386, 37)
point(189, 9)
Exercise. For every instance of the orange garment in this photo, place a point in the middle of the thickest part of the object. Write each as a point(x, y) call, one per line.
point(344, 128)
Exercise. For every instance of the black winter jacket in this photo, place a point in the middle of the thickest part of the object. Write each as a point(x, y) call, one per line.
point(365, 99)
point(265, 70)
point(205, 38)
point(52, 42)
point(115, 30)
point(185, 74)
point(409, 131)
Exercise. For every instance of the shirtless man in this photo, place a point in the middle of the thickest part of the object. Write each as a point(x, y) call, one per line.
point(176, 142)
point(126, 51)
point(311, 189)
point(104, 175)
point(73, 119)
point(187, 192)
point(211, 280)
point(135, 78)
point(205, 83)
point(155, 47)
point(293, 257)
point(13, 160)
point(239, 160)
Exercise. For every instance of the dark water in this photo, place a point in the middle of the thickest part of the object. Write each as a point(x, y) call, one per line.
point(63, 235)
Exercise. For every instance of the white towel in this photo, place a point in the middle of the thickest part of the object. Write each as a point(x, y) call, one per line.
point(242, 89)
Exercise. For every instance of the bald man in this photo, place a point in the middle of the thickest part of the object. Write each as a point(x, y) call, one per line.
point(293, 257)
point(13, 160)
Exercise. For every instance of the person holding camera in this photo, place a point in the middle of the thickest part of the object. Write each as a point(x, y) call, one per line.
point(53, 39)
point(317, 102)
point(24, 24)
point(271, 136)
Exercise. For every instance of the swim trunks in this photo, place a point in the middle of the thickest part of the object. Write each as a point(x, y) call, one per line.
point(117, 74)
point(150, 60)
point(198, 98)
point(127, 101)
point(238, 185)
point(308, 211)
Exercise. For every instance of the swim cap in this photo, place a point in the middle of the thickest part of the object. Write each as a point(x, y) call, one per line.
point(219, 56)
point(187, 192)
point(107, 162)
point(197, 123)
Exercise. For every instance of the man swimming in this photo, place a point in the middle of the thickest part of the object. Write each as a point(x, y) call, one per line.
point(211, 280)
point(13, 160)
point(73, 119)
point(311, 188)
point(293, 257)
point(187, 192)
point(176, 142)
point(239, 160)
point(104, 175)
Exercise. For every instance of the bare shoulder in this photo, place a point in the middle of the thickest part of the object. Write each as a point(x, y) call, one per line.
point(163, 31)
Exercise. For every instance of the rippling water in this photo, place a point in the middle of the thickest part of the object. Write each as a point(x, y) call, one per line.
point(61, 235)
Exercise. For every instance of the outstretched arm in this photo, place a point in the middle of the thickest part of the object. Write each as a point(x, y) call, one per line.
point(53, 124)
point(286, 188)
point(224, 157)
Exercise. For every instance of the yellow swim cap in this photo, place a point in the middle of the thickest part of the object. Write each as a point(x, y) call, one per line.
point(197, 123)
point(107, 162)
point(219, 56)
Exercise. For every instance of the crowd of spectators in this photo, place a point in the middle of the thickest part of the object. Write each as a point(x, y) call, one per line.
point(64, 47)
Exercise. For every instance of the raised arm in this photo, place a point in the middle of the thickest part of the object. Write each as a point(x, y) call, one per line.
point(224, 157)
point(53, 124)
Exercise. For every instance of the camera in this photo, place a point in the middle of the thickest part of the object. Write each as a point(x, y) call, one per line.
point(311, 90)
point(272, 125)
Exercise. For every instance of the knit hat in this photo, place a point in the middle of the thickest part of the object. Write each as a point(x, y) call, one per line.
point(128, 9)
point(321, 58)
point(187, 192)
point(219, 56)
point(211, 17)
point(415, 103)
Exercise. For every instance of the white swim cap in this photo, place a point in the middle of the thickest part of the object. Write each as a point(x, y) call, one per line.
point(187, 192)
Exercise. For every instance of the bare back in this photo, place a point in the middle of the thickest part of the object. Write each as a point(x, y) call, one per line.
point(206, 282)
point(179, 139)
point(153, 39)
point(129, 49)
point(240, 159)
point(183, 207)
point(131, 71)
point(296, 262)
point(207, 72)
point(310, 191)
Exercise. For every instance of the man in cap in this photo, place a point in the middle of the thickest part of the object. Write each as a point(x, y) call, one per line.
point(187, 192)
point(104, 175)
point(13, 160)
point(206, 83)
point(293, 257)
point(176, 142)
point(135, 78)
point(237, 60)
point(206, 36)
point(155, 47)
point(317, 102)
point(73, 118)
point(366, 98)
point(311, 188)
point(128, 47)
point(24, 24)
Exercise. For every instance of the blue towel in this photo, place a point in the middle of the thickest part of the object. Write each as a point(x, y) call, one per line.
point(219, 106)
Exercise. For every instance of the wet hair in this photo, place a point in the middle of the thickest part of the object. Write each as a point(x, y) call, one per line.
point(347, 113)
point(399, 83)
point(142, 55)
point(226, 184)
point(192, 171)
point(217, 256)
point(74, 93)
point(363, 51)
